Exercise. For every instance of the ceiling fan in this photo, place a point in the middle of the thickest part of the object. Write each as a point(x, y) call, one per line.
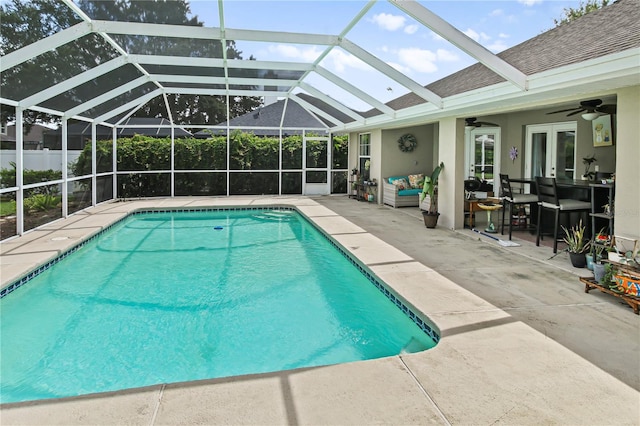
point(471, 122)
point(589, 106)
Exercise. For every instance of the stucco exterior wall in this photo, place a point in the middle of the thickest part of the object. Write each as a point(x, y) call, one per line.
point(627, 144)
point(420, 160)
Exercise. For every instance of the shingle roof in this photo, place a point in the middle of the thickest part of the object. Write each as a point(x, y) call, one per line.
point(102, 131)
point(270, 116)
point(612, 29)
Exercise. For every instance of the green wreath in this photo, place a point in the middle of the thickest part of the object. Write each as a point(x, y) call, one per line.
point(407, 143)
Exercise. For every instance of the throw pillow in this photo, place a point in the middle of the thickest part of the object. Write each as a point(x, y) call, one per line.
point(416, 181)
point(401, 184)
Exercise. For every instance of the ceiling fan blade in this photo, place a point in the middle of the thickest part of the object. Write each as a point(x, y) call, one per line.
point(485, 123)
point(577, 112)
point(565, 110)
point(607, 109)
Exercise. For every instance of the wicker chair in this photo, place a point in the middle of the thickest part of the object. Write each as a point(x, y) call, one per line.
point(403, 198)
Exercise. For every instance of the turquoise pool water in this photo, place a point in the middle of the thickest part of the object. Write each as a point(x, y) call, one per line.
point(176, 296)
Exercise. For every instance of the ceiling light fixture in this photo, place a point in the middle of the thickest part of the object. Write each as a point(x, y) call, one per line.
point(590, 116)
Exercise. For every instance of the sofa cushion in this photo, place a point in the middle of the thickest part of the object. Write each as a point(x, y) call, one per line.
point(408, 192)
point(391, 179)
point(401, 184)
point(416, 181)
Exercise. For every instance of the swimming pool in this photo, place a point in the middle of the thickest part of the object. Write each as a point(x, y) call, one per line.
point(175, 296)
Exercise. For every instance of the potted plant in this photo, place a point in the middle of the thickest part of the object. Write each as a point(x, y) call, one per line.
point(429, 198)
point(587, 161)
point(577, 244)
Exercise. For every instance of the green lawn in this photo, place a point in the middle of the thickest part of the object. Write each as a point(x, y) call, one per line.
point(7, 208)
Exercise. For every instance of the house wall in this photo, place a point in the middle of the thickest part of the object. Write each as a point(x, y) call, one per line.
point(514, 132)
point(420, 160)
point(627, 145)
point(451, 146)
point(387, 159)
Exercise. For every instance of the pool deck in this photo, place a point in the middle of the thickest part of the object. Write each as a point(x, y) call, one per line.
point(521, 343)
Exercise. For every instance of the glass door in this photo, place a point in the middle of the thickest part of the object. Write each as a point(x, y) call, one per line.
point(483, 155)
point(550, 150)
point(316, 165)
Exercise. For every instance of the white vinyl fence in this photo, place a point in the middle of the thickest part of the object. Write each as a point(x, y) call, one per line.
point(38, 160)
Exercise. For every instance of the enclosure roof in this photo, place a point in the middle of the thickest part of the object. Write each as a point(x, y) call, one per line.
point(103, 70)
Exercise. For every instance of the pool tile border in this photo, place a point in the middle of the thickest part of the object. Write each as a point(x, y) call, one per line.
point(426, 328)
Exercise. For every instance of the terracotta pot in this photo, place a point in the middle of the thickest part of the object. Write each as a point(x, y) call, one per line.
point(430, 219)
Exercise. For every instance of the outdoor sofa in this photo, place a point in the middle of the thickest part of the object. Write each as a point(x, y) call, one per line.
point(402, 191)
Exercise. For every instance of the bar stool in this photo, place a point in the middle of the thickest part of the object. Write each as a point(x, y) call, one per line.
point(548, 199)
point(513, 200)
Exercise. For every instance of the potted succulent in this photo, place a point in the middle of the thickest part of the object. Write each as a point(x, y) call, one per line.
point(429, 198)
point(577, 244)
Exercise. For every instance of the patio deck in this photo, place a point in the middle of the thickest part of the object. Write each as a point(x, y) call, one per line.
point(521, 341)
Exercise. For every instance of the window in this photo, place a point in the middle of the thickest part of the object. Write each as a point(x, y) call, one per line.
point(3, 128)
point(364, 151)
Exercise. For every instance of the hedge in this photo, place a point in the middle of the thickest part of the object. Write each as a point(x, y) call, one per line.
point(248, 152)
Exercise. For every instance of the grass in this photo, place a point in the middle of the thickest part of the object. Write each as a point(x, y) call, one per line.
point(7, 208)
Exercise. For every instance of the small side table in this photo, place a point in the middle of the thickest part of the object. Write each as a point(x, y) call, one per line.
point(490, 208)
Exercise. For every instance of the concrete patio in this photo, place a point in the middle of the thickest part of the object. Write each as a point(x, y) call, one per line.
point(521, 343)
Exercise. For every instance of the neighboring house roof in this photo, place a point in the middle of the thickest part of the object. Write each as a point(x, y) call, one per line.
point(84, 129)
point(611, 29)
point(271, 116)
point(34, 134)
point(339, 115)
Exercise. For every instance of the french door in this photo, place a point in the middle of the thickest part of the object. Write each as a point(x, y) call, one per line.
point(550, 150)
point(482, 155)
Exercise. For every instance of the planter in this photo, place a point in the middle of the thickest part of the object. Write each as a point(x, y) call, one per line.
point(578, 260)
point(590, 262)
point(430, 219)
point(598, 272)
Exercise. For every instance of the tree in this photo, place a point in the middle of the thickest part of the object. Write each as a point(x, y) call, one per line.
point(26, 21)
point(571, 14)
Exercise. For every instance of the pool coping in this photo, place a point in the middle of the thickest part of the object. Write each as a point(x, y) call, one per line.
point(498, 369)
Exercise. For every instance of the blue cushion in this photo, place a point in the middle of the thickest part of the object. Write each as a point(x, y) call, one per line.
point(392, 178)
point(404, 192)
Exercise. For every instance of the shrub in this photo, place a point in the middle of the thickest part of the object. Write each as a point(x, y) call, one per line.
point(41, 202)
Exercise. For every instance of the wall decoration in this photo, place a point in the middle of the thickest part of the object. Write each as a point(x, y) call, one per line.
point(407, 142)
point(602, 131)
point(513, 153)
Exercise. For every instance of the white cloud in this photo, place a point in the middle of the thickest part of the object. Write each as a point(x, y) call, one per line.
point(403, 69)
point(339, 61)
point(411, 29)
point(417, 59)
point(478, 37)
point(436, 36)
point(496, 12)
point(446, 55)
point(308, 54)
point(503, 35)
point(529, 2)
point(389, 22)
point(472, 35)
point(497, 46)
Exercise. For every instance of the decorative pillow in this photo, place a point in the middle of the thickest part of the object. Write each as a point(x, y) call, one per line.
point(401, 184)
point(416, 181)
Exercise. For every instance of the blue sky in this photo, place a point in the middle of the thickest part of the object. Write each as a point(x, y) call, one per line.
point(385, 31)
